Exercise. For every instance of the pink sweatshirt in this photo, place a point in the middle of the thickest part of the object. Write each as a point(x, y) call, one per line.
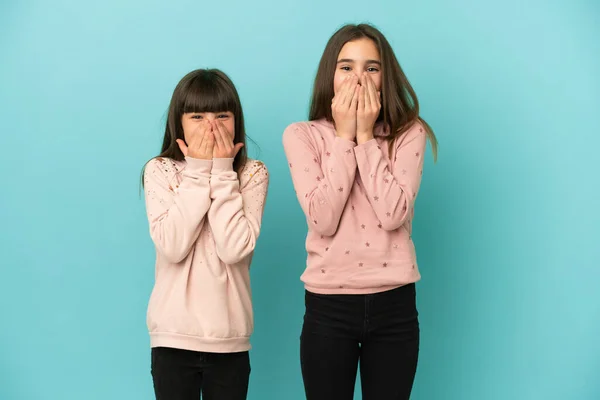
point(204, 223)
point(358, 205)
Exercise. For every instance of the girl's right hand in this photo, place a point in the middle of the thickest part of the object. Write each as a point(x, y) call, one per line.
point(200, 144)
point(344, 106)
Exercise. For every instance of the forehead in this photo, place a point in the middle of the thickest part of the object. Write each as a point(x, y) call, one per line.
point(361, 49)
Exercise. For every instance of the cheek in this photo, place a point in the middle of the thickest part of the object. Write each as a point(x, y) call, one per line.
point(338, 80)
point(377, 81)
point(186, 130)
point(230, 125)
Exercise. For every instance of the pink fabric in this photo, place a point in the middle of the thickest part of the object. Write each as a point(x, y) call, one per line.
point(358, 205)
point(204, 223)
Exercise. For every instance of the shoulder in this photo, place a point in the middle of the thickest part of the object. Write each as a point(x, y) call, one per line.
point(296, 128)
point(307, 131)
point(254, 171)
point(416, 132)
point(162, 168)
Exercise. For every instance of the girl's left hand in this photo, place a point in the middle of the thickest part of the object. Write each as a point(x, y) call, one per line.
point(369, 106)
point(224, 147)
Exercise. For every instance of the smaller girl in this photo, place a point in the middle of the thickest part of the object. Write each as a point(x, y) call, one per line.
point(204, 200)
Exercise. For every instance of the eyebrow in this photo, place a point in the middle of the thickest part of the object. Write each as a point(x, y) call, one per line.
point(349, 60)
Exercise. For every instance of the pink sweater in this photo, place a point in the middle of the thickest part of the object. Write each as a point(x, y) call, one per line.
point(204, 223)
point(358, 205)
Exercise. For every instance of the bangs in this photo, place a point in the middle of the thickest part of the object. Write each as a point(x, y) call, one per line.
point(208, 93)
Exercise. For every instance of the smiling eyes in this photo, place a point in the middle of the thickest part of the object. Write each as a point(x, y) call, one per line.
point(219, 116)
point(369, 69)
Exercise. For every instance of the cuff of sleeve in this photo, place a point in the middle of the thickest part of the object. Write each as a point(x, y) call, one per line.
point(198, 165)
point(222, 165)
point(344, 143)
point(362, 150)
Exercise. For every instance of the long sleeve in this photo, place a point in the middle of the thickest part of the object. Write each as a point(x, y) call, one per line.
point(322, 181)
point(392, 191)
point(176, 214)
point(235, 215)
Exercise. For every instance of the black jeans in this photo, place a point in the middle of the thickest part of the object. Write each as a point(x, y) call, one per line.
point(182, 375)
point(381, 331)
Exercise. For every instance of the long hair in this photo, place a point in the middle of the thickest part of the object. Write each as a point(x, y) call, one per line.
point(399, 107)
point(203, 90)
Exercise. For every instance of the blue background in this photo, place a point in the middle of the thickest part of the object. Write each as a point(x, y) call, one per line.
point(507, 220)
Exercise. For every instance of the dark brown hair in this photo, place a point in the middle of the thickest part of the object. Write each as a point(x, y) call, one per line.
point(203, 90)
point(399, 107)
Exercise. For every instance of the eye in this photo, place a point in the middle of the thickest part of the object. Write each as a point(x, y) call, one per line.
point(223, 116)
point(197, 116)
point(372, 69)
point(345, 68)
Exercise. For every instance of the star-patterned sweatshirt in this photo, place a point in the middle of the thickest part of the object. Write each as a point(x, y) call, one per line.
point(204, 222)
point(358, 204)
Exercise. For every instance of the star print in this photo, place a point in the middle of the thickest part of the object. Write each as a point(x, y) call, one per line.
point(315, 160)
point(417, 154)
point(327, 154)
point(386, 180)
point(341, 189)
point(380, 226)
point(363, 226)
point(348, 151)
point(315, 221)
point(376, 198)
point(347, 252)
point(352, 208)
point(326, 248)
point(322, 270)
point(306, 169)
point(368, 244)
point(385, 265)
point(395, 245)
point(319, 178)
point(360, 264)
point(324, 186)
point(421, 130)
point(322, 237)
point(388, 214)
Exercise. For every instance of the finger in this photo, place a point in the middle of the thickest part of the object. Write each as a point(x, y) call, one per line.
point(349, 90)
point(361, 98)
point(219, 139)
point(338, 95)
point(365, 92)
point(237, 148)
point(224, 131)
point(182, 147)
point(208, 143)
point(355, 98)
point(372, 92)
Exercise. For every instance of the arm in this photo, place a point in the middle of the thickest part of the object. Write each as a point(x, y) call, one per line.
point(176, 217)
point(392, 192)
point(322, 187)
point(235, 216)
